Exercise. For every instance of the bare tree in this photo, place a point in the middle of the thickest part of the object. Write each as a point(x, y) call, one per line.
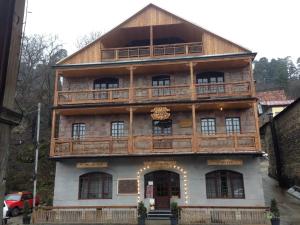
point(87, 39)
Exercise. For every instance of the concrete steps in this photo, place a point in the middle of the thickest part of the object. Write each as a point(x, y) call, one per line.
point(159, 215)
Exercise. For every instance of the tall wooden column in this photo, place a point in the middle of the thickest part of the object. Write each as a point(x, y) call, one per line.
point(257, 141)
point(131, 91)
point(192, 84)
point(130, 135)
point(53, 130)
point(252, 85)
point(56, 88)
point(195, 136)
point(151, 40)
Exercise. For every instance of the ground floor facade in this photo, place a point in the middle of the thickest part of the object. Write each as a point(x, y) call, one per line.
point(188, 180)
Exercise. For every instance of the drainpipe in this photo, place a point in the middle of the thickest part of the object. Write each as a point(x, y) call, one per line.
point(278, 160)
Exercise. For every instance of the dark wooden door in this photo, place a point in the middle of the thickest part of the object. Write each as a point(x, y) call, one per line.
point(165, 184)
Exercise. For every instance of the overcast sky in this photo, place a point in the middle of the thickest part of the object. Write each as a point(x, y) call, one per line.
point(269, 27)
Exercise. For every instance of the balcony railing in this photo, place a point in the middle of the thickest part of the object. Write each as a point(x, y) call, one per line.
point(113, 54)
point(175, 144)
point(120, 95)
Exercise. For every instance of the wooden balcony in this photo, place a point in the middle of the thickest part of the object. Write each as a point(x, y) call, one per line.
point(128, 215)
point(141, 52)
point(122, 95)
point(148, 145)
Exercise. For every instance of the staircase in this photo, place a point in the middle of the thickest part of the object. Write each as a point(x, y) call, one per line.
point(159, 215)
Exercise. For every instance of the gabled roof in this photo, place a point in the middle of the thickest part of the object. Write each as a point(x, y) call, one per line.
point(273, 98)
point(139, 13)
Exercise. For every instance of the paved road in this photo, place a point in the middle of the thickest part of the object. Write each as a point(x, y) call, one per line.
point(289, 206)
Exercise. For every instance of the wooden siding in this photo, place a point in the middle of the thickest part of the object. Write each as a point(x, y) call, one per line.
point(215, 45)
point(152, 17)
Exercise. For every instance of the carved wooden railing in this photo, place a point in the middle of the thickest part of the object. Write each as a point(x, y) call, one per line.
point(173, 144)
point(113, 54)
point(240, 88)
point(151, 93)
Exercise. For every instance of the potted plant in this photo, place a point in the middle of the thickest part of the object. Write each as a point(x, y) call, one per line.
point(142, 213)
point(175, 213)
point(274, 214)
point(26, 211)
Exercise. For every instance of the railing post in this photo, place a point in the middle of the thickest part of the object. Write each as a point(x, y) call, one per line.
point(151, 41)
point(56, 88)
point(186, 49)
point(116, 54)
point(131, 87)
point(53, 125)
point(235, 145)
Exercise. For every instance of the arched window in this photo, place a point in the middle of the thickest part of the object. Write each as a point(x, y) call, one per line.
point(95, 185)
point(224, 184)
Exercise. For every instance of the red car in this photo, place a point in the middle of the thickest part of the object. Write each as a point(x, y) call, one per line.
point(15, 202)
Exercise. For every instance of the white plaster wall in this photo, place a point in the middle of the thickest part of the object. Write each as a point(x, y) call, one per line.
point(67, 180)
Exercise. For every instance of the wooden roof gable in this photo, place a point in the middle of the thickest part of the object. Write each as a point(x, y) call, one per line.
point(154, 15)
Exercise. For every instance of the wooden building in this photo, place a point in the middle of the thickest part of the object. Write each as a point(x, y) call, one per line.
point(158, 108)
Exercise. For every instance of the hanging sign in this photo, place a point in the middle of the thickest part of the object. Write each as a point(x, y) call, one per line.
point(160, 164)
point(160, 113)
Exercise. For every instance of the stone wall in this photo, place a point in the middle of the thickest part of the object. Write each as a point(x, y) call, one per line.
point(145, 80)
point(287, 126)
point(100, 125)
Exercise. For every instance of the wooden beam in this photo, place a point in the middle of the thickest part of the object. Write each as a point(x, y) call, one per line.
point(252, 84)
point(195, 139)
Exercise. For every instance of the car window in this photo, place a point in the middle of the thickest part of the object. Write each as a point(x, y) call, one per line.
point(13, 197)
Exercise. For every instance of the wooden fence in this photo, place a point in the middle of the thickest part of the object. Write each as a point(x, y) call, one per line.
point(85, 216)
point(230, 216)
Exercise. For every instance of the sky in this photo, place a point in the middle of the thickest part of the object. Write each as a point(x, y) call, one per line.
point(269, 27)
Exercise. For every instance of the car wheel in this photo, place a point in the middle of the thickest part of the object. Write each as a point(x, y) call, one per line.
point(15, 211)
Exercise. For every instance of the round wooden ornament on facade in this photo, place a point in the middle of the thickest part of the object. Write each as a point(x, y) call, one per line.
point(160, 113)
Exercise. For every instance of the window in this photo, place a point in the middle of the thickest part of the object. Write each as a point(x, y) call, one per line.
point(117, 129)
point(224, 184)
point(78, 130)
point(233, 125)
point(103, 84)
point(95, 186)
point(207, 79)
point(163, 82)
point(208, 126)
point(162, 127)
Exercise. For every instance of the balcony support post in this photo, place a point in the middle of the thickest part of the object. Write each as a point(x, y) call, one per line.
point(257, 136)
point(192, 84)
point(194, 138)
point(131, 91)
point(53, 131)
point(151, 41)
point(56, 88)
point(130, 136)
point(252, 85)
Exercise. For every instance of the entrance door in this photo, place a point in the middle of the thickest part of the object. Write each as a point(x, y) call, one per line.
point(165, 185)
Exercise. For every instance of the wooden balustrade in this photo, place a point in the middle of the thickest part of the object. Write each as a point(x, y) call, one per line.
point(85, 215)
point(121, 95)
point(174, 144)
point(128, 215)
point(241, 88)
point(223, 215)
point(113, 54)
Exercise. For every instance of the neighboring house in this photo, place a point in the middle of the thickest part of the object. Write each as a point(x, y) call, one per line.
point(157, 108)
point(270, 104)
point(281, 140)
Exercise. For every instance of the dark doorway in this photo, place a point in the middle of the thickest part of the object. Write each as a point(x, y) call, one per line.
point(165, 185)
